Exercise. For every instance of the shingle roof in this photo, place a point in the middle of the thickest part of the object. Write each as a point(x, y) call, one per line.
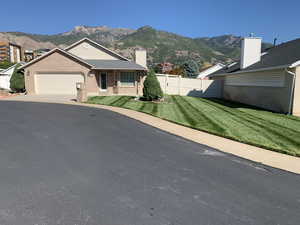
point(282, 55)
point(114, 64)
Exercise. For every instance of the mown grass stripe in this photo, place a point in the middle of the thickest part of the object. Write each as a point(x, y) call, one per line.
point(213, 125)
point(254, 124)
point(184, 110)
point(232, 120)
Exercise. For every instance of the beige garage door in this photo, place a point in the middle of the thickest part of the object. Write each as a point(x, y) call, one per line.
point(57, 83)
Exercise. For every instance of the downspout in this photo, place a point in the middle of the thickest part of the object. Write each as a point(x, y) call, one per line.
point(292, 91)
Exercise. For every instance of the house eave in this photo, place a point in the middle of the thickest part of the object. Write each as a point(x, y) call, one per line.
point(52, 51)
point(252, 71)
point(95, 43)
point(125, 69)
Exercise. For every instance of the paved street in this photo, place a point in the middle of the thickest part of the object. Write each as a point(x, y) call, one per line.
point(66, 164)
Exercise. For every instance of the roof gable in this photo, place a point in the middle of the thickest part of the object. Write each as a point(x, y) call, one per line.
point(88, 49)
point(281, 56)
point(60, 51)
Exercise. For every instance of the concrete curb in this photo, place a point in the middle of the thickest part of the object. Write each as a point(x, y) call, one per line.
point(260, 155)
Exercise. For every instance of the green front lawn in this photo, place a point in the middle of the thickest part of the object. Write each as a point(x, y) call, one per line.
point(232, 120)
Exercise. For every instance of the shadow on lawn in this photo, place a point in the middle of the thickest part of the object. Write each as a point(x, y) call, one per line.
point(232, 104)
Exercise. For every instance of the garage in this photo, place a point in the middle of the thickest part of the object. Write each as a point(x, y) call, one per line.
point(57, 83)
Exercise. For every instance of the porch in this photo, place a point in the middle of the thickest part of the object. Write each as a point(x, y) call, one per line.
point(115, 82)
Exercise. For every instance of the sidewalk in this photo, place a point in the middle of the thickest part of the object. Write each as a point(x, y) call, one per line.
point(266, 157)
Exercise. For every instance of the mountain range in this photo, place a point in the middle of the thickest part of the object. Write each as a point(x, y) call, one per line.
point(162, 46)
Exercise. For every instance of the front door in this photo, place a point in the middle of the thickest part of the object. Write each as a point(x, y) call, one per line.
point(103, 81)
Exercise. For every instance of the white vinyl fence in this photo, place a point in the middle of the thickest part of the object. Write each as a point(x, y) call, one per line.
point(176, 85)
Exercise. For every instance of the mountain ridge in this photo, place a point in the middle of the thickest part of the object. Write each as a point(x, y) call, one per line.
point(162, 46)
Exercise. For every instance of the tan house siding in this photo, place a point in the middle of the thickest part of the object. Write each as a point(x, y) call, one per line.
point(91, 84)
point(113, 85)
point(128, 90)
point(267, 97)
point(86, 51)
point(60, 62)
point(54, 63)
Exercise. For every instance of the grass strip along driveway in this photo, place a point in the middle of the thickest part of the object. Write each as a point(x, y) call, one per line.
point(236, 121)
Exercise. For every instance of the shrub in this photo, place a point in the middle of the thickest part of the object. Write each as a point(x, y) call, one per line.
point(5, 64)
point(191, 68)
point(152, 90)
point(17, 83)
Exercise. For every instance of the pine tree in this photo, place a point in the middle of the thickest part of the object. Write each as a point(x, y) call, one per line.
point(152, 90)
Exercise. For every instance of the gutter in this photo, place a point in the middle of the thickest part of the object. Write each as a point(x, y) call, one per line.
point(128, 69)
point(292, 91)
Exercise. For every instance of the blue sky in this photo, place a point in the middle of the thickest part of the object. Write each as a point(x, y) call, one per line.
point(192, 18)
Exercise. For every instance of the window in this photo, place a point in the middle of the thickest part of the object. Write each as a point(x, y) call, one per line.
point(127, 78)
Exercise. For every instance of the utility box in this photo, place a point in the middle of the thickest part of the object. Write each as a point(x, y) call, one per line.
point(81, 92)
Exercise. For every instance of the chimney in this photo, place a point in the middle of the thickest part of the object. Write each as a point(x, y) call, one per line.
point(250, 51)
point(141, 57)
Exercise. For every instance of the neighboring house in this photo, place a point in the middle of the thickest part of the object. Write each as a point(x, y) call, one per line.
point(102, 71)
point(269, 80)
point(10, 52)
point(41, 51)
point(165, 67)
point(204, 74)
point(29, 55)
point(5, 76)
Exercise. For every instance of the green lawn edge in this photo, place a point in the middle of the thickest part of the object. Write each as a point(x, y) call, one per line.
point(199, 129)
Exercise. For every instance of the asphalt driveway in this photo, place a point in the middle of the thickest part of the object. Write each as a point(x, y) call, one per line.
point(66, 164)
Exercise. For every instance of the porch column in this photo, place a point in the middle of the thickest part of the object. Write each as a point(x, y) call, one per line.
point(116, 78)
point(139, 84)
point(91, 83)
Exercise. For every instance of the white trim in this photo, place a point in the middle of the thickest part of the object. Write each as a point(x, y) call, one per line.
point(95, 43)
point(49, 53)
point(231, 64)
point(212, 69)
point(295, 64)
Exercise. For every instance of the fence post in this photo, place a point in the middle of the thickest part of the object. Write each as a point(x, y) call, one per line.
point(179, 85)
point(166, 83)
point(201, 87)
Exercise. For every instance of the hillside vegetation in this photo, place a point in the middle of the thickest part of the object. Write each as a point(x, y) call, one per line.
point(161, 46)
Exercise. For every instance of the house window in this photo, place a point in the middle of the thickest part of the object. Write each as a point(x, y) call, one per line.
point(127, 78)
